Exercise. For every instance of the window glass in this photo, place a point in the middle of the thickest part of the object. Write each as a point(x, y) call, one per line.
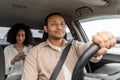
point(103, 23)
point(3, 33)
point(36, 33)
point(69, 35)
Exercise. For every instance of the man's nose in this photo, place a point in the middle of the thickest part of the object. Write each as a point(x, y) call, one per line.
point(59, 26)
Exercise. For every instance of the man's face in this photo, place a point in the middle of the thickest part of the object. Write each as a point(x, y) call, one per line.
point(56, 27)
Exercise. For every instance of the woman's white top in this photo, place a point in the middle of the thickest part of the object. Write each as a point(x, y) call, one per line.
point(10, 52)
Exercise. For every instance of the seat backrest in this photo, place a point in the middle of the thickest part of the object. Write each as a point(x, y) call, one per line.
point(37, 41)
point(2, 64)
point(45, 36)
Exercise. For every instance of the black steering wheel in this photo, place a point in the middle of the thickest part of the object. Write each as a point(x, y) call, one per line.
point(83, 60)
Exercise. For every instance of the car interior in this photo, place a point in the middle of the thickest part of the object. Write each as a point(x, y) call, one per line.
point(2, 66)
point(76, 12)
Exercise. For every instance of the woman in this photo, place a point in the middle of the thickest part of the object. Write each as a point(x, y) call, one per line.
point(21, 41)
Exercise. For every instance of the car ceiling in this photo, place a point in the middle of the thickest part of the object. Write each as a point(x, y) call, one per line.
point(33, 12)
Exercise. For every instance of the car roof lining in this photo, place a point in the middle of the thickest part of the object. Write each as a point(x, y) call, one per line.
point(33, 12)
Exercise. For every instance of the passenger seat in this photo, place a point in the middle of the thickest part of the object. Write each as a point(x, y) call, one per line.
point(2, 64)
point(37, 41)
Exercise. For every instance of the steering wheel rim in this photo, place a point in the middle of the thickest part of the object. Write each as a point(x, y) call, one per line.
point(83, 60)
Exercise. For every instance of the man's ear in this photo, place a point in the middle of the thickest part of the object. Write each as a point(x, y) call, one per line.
point(45, 29)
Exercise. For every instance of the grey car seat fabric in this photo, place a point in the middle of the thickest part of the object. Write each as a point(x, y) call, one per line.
point(37, 41)
point(2, 64)
point(110, 68)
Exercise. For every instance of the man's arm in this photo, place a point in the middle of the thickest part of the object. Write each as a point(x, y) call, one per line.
point(81, 47)
point(30, 68)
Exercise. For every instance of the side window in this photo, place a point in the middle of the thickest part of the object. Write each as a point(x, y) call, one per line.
point(103, 23)
point(69, 35)
point(3, 42)
point(37, 33)
point(3, 33)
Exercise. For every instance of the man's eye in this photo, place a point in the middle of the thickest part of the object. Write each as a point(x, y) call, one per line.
point(62, 24)
point(54, 24)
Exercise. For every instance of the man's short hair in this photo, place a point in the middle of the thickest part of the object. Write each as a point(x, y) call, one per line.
point(51, 14)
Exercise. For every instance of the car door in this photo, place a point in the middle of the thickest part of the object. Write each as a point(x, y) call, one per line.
point(89, 26)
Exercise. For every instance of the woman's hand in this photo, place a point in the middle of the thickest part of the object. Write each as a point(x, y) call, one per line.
point(18, 57)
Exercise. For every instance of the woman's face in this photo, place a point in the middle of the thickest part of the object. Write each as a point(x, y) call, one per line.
point(20, 37)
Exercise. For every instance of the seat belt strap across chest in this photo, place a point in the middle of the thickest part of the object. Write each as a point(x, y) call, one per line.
point(61, 61)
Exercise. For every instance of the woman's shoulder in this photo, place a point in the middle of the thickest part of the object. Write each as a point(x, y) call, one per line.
point(9, 46)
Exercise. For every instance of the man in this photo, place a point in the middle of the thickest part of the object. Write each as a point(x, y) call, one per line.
point(42, 59)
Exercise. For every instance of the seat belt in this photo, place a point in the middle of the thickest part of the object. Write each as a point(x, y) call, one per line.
point(61, 61)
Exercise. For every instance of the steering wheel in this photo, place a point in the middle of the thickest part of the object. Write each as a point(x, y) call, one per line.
point(83, 60)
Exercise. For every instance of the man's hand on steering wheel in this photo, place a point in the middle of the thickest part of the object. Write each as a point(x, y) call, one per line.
point(105, 40)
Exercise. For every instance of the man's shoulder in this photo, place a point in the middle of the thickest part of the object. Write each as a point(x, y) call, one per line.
point(40, 45)
point(79, 43)
point(38, 49)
